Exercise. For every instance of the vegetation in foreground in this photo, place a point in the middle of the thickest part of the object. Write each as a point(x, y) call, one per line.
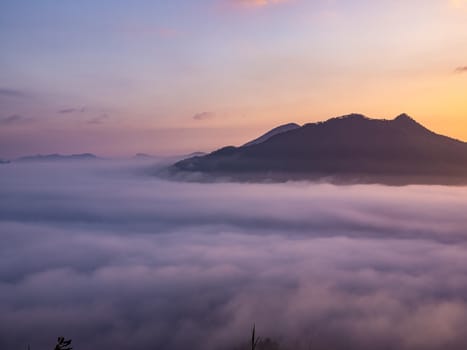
point(256, 343)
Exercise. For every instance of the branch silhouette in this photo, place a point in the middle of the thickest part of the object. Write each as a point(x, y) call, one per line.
point(63, 344)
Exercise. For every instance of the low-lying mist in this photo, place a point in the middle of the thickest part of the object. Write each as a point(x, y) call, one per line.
point(113, 258)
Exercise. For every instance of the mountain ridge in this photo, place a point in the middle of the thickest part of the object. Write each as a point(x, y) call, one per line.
point(352, 147)
point(56, 157)
point(276, 131)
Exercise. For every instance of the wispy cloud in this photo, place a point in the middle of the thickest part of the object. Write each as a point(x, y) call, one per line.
point(461, 69)
point(13, 93)
point(72, 110)
point(99, 119)
point(97, 247)
point(14, 119)
point(204, 116)
point(259, 3)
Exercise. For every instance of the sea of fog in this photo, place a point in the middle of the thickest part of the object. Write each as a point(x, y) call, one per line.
point(105, 254)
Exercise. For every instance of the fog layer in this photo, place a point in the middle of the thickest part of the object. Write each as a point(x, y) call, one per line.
point(112, 258)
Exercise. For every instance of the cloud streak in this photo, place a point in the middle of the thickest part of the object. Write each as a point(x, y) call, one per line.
point(112, 258)
point(99, 119)
point(203, 116)
point(5, 92)
point(72, 110)
point(259, 3)
point(14, 119)
point(462, 69)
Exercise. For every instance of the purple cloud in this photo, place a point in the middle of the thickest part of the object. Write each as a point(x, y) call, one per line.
point(99, 119)
point(203, 116)
point(259, 3)
point(13, 93)
point(113, 259)
point(72, 110)
point(14, 119)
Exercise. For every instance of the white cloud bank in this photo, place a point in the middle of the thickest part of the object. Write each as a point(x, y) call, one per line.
point(114, 259)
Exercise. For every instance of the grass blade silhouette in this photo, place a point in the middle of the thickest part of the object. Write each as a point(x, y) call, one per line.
point(254, 340)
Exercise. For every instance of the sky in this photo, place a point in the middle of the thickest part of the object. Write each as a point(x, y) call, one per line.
point(103, 254)
point(116, 77)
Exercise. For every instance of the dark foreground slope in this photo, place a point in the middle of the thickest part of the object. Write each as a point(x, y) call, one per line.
point(352, 148)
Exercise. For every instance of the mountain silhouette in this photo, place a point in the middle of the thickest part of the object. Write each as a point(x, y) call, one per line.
point(351, 148)
point(56, 157)
point(276, 131)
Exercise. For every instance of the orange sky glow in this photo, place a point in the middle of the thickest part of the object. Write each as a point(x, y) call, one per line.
point(198, 75)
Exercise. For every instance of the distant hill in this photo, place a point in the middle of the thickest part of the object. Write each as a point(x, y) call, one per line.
point(195, 154)
point(276, 131)
point(145, 156)
point(56, 157)
point(351, 148)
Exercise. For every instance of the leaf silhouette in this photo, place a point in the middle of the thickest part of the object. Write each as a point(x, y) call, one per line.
point(63, 344)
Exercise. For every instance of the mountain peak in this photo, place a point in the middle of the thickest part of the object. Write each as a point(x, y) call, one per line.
point(352, 116)
point(404, 117)
point(350, 147)
point(404, 120)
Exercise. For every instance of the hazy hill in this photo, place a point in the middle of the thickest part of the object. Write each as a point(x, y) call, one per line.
point(350, 148)
point(276, 131)
point(56, 157)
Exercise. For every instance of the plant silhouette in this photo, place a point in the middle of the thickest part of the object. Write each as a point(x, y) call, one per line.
point(254, 340)
point(63, 344)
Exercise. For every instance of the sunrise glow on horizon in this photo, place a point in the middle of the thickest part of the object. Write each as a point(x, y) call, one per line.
point(166, 77)
point(233, 174)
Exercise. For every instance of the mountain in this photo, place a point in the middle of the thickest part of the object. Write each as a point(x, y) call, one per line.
point(276, 131)
point(172, 158)
point(57, 157)
point(196, 154)
point(351, 148)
